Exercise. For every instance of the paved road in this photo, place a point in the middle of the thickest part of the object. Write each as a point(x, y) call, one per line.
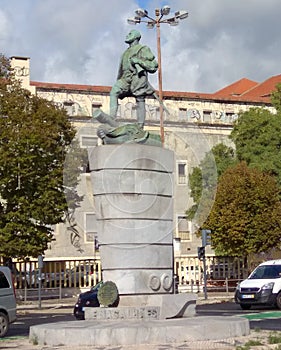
point(27, 318)
point(260, 317)
point(18, 335)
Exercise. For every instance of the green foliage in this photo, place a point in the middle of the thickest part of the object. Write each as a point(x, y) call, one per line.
point(245, 219)
point(274, 338)
point(5, 68)
point(34, 138)
point(276, 98)
point(203, 180)
point(248, 345)
point(257, 137)
point(224, 157)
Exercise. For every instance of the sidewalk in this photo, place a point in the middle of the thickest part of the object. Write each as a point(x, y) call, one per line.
point(260, 337)
point(70, 302)
point(246, 342)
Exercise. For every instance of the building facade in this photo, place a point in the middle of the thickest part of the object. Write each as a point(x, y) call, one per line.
point(195, 123)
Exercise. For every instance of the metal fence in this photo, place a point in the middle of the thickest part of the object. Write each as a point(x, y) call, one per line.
point(223, 273)
point(54, 274)
point(57, 278)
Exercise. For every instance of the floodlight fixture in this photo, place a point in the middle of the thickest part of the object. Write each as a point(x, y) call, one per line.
point(165, 10)
point(181, 14)
point(131, 21)
point(150, 24)
point(143, 16)
point(172, 21)
point(141, 12)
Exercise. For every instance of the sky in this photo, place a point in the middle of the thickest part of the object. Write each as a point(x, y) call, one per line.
point(81, 41)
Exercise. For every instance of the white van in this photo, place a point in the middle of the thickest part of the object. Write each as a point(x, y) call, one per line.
point(262, 287)
point(7, 300)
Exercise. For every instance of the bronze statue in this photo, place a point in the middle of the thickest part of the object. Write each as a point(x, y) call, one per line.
point(132, 81)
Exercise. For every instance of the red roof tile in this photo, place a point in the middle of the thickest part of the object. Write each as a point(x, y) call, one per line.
point(237, 88)
point(61, 86)
point(243, 90)
point(264, 89)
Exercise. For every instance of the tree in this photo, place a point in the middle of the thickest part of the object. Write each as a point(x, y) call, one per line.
point(257, 138)
point(245, 219)
point(35, 136)
point(203, 180)
point(276, 98)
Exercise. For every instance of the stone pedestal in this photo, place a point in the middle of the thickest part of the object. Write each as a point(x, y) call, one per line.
point(133, 194)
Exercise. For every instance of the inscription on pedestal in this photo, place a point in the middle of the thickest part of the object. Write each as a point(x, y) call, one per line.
point(123, 313)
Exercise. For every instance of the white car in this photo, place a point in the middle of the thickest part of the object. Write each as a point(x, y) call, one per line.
point(262, 287)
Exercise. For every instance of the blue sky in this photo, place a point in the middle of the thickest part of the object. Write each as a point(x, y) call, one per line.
point(81, 42)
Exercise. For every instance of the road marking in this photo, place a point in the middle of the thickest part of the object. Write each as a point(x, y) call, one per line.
point(13, 337)
point(263, 315)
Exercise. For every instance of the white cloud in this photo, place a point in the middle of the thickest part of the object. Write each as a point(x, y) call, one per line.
point(81, 42)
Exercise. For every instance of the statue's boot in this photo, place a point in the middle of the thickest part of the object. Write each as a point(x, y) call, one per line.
point(140, 111)
point(105, 118)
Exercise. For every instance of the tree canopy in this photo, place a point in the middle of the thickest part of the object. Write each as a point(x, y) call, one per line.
point(245, 217)
point(203, 180)
point(257, 138)
point(35, 135)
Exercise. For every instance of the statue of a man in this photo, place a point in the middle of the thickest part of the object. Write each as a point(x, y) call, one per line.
point(132, 81)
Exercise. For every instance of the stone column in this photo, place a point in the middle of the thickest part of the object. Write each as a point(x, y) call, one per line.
point(133, 195)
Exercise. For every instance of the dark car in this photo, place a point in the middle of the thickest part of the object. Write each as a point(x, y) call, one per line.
point(86, 299)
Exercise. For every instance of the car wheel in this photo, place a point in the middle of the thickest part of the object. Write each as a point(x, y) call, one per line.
point(278, 300)
point(245, 306)
point(4, 324)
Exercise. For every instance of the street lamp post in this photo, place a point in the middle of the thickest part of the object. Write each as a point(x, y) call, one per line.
point(142, 16)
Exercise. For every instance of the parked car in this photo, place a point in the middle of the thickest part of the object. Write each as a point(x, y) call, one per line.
point(86, 299)
point(221, 271)
point(55, 279)
point(262, 287)
point(83, 275)
point(19, 277)
point(33, 277)
point(7, 300)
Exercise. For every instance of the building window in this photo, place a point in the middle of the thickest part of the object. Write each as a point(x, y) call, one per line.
point(69, 107)
point(88, 141)
point(182, 172)
point(207, 116)
point(229, 115)
point(90, 227)
point(182, 113)
point(157, 113)
point(95, 106)
point(183, 228)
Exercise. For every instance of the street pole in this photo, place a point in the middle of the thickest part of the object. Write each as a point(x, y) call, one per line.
point(205, 277)
point(40, 266)
point(143, 16)
point(160, 87)
point(39, 287)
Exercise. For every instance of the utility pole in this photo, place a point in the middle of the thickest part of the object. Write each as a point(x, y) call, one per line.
point(206, 240)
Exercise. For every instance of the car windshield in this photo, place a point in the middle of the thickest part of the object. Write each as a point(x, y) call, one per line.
point(266, 272)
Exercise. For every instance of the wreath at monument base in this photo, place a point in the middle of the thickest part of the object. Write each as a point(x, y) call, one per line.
point(108, 294)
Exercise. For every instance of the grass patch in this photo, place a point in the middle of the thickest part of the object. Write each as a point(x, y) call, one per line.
point(34, 340)
point(248, 345)
point(274, 338)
